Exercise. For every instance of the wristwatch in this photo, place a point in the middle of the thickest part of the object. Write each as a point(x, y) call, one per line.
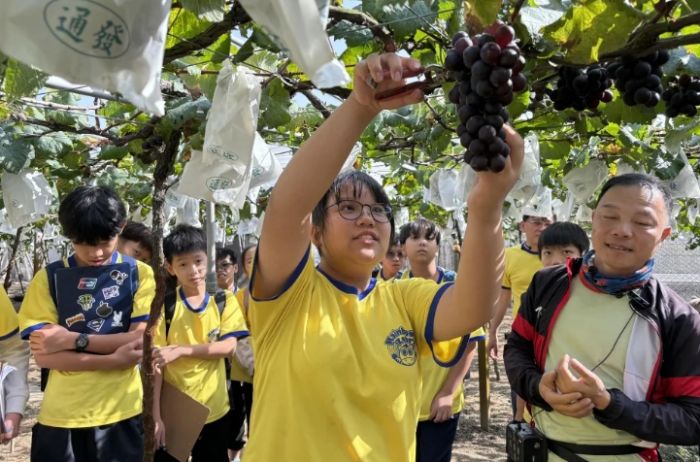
point(81, 342)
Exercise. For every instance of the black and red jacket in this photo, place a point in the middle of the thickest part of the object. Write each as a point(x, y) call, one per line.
point(660, 402)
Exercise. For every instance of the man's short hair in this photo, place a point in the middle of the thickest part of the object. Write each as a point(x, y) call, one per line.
point(223, 252)
point(564, 233)
point(640, 180)
point(138, 232)
point(418, 228)
point(184, 239)
point(91, 214)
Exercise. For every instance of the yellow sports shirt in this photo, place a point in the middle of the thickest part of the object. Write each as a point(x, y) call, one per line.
point(238, 372)
point(202, 379)
point(86, 398)
point(8, 316)
point(433, 375)
point(521, 264)
point(338, 370)
point(580, 333)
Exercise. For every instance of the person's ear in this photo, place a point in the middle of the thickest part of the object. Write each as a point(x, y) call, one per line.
point(235, 268)
point(665, 234)
point(169, 268)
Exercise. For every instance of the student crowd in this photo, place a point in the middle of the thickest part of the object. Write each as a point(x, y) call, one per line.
point(348, 361)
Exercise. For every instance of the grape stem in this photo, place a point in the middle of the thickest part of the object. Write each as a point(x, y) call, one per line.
point(438, 118)
point(516, 11)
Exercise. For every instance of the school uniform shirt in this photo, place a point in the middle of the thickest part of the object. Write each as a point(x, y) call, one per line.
point(9, 325)
point(13, 352)
point(521, 264)
point(75, 399)
point(434, 376)
point(337, 375)
point(202, 379)
point(238, 372)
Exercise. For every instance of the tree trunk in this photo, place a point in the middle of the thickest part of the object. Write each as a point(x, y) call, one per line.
point(164, 167)
point(13, 257)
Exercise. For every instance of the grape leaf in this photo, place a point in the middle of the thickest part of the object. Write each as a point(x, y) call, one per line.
point(593, 27)
point(53, 144)
point(274, 105)
point(534, 18)
point(209, 10)
point(482, 14)
point(15, 152)
point(22, 79)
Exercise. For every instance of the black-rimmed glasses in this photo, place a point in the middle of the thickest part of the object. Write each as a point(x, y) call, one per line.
point(352, 210)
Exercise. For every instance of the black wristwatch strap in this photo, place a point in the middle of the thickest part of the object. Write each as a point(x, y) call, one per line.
point(81, 342)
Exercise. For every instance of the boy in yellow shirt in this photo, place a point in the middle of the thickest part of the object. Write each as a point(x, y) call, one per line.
point(84, 317)
point(442, 396)
point(193, 343)
point(15, 353)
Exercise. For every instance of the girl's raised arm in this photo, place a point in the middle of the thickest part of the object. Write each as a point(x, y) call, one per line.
point(286, 229)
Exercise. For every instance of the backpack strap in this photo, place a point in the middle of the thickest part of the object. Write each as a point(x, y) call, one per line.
point(220, 299)
point(51, 276)
point(171, 300)
point(133, 274)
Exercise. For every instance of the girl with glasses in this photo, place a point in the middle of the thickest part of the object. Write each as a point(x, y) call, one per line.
point(336, 353)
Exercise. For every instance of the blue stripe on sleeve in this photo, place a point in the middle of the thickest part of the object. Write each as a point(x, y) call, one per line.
point(26, 332)
point(236, 334)
point(429, 326)
point(143, 318)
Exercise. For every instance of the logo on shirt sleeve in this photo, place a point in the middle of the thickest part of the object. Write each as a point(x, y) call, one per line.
point(401, 344)
point(213, 335)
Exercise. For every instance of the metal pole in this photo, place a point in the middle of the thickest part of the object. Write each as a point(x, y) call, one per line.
point(484, 391)
point(211, 248)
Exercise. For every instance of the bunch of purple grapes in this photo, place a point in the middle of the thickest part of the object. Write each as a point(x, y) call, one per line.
point(488, 69)
point(683, 97)
point(639, 79)
point(581, 88)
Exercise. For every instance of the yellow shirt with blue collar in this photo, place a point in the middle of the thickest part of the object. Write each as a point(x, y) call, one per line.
point(434, 377)
point(76, 399)
point(521, 264)
point(9, 324)
point(202, 379)
point(337, 369)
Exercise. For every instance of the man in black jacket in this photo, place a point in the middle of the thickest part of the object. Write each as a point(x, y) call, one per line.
point(605, 354)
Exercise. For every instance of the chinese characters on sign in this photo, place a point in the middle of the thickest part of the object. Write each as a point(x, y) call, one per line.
point(87, 27)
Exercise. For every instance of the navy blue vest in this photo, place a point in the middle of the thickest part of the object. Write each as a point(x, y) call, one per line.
point(94, 300)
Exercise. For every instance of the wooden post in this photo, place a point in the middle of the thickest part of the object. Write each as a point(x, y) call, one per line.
point(484, 389)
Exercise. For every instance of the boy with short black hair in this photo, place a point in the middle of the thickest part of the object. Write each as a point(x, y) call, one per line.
point(392, 263)
point(226, 268)
point(442, 398)
point(560, 241)
point(194, 342)
point(84, 317)
point(135, 241)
